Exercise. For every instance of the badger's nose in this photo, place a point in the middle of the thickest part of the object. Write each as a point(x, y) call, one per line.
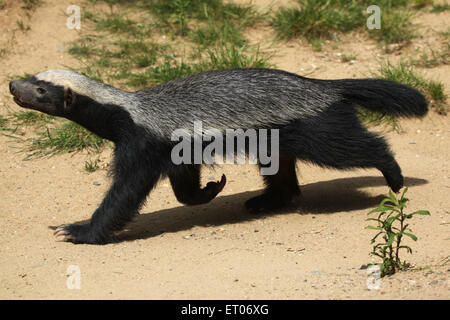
point(12, 87)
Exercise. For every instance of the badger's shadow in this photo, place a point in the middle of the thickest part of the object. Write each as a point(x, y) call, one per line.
point(323, 197)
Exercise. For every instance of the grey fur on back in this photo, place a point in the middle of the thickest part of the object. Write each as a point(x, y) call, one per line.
point(237, 98)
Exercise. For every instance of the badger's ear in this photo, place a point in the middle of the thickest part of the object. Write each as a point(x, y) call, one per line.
point(69, 98)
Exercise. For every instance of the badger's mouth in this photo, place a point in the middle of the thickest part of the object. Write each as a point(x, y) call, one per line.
point(23, 104)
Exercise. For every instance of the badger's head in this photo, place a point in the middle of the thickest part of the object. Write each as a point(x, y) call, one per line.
point(68, 94)
point(41, 94)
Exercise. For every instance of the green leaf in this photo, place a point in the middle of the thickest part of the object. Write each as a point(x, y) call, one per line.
point(373, 228)
point(379, 209)
point(402, 203)
point(421, 212)
point(408, 249)
point(384, 209)
point(392, 197)
point(403, 193)
point(376, 254)
point(386, 200)
point(376, 236)
point(410, 235)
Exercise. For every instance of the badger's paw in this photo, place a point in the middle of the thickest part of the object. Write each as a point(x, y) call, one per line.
point(79, 233)
point(268, 202)
point(212, 188)
point(263, 203)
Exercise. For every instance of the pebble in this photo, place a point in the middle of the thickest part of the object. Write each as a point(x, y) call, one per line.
point(96, 183)
point(317, 272)
point(363, 267)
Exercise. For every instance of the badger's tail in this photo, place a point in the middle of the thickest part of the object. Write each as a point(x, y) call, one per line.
point(383, 95)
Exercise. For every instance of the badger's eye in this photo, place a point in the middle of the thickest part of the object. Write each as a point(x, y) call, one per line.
point(41, 90)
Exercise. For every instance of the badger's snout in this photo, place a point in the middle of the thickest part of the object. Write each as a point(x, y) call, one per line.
point(22, 94)
point(13, 87)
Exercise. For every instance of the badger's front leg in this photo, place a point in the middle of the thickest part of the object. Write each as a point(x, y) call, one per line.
point(134, 177)
point(185, 180)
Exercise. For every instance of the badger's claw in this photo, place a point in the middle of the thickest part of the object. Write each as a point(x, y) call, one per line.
point(79, 233)
point(213, 188)
point(62, 234)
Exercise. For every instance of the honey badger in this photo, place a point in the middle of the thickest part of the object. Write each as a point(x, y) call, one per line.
point(316, 119)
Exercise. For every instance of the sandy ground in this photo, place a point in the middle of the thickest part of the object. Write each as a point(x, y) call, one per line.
point(219, 251)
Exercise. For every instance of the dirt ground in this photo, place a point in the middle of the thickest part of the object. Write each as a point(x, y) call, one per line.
point(219, 251)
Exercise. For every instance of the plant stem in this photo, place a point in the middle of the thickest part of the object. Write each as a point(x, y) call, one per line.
point(399, 238)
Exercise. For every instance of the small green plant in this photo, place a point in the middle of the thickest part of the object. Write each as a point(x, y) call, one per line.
point(320, 19)
point(231, 56)
point(314, 19)
point(445, 34)
point(3, 52)
point(22, 26)
point(316, 44)
point(115, 23)
point(81, 50)
point(30, 118)
point(179, 15)
point(397, 27)
point(433, 58)
point(347, 58)
point(30, 4)
point(392, 226)
point(3, 123)
point(70, 137)
point(20, 77)
point(213, 33)
point(91, 165)
point(168, 12)
point(440, 8)
point(418, 4)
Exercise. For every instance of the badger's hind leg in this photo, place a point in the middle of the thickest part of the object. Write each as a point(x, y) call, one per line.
point(281, 188)
point(368, 150)
point(339, 141)
point(185, 180)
